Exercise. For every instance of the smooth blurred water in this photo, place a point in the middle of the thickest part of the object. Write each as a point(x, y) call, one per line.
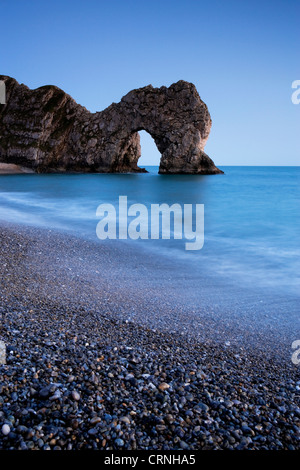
point(252, 222)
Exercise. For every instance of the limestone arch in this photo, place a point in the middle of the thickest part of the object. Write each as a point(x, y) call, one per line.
point(56, 134)
point(177, 120)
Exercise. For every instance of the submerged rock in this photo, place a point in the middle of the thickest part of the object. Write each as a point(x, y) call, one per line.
point(47, 131)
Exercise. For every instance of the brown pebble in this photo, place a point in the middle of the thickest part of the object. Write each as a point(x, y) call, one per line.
point(95, 420)
point(163, 386)
point(75, 395)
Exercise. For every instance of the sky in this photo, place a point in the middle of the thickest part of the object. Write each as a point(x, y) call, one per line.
point(242, 56)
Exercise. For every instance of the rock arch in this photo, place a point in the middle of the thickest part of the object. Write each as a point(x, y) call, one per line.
point(46, 130)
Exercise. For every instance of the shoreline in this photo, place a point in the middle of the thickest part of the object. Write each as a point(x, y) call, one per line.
point(134, 284)
point(13, 169)
point(82, 373)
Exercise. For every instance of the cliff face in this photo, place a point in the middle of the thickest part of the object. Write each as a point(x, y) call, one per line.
point(46, 130)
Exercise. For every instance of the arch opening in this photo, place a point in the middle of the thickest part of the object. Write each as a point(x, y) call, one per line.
point(150, 155)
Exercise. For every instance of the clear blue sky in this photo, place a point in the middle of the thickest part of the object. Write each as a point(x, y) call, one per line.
point(242, 56)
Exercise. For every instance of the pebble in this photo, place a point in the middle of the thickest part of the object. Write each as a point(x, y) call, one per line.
point(183, 445)
point(125, 419)
point(5, 429)
point(95, 420)
point(163, 386)
point(119, 442)
point(201, 406)
point(75, 395)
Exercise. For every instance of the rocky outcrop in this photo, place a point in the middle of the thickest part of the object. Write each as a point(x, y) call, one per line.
point(46, 130)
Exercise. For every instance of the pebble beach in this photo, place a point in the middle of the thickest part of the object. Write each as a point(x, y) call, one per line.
point(94, 362)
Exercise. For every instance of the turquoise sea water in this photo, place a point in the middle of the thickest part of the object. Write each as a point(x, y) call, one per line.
point(251, 216)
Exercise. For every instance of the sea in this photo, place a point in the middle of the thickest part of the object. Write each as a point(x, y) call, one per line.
point(251, 221)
